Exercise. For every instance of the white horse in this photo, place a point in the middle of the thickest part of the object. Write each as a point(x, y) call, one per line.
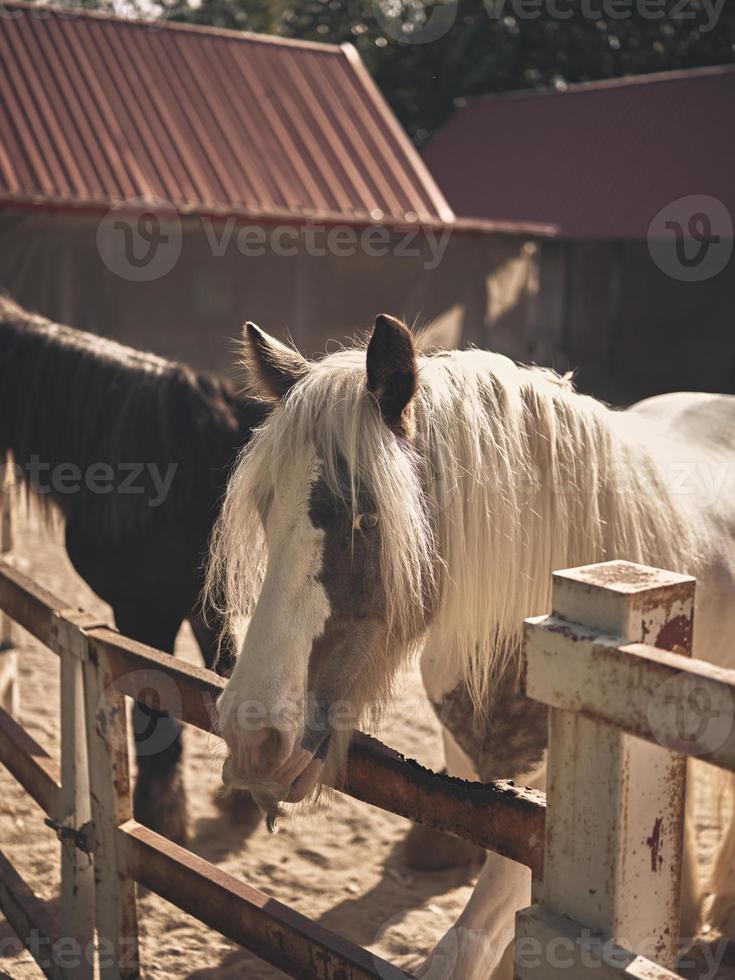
point(394, 501)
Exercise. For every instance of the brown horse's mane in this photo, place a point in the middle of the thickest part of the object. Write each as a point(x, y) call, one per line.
point(76, 399)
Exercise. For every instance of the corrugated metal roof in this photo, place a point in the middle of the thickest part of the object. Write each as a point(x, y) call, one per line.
point(95, 110)
point(599, 160)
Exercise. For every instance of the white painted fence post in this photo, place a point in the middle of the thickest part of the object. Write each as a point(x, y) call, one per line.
point(115, 899)
point(76, 917)
point(614, 824)
point(9, 689)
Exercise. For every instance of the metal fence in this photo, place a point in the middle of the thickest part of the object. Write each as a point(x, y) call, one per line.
point(98, 669)
point(597, 876)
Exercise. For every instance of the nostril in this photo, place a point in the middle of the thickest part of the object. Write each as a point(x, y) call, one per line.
point(273, 746)
point(260, 749)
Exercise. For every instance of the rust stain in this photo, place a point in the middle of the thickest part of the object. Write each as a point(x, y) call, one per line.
point(654, 842)
point(676, 633)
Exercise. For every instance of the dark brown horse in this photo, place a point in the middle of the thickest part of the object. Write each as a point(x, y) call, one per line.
point(134, 451)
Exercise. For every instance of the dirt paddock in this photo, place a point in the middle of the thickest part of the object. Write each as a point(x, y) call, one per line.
point(341, 865)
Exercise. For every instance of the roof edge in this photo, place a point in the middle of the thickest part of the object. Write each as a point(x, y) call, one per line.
point(380, 102)
point(12, 202)
point(601, 84)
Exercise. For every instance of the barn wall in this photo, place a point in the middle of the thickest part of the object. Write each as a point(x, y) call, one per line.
point(628, 329)
point(484, 288)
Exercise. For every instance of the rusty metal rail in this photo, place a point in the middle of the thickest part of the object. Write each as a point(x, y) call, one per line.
point(30, 764)
point(271, 930)
point(29, 918)
point(498, 816)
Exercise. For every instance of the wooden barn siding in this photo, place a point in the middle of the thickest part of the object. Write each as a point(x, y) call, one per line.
point(602, 308)
point(629, 330)
point(50, 263)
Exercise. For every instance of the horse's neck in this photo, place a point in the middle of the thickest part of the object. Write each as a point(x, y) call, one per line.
point(564, 484)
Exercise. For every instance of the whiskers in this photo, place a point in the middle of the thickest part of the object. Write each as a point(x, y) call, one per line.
point(266, 793)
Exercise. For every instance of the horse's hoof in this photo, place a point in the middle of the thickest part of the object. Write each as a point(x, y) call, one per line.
point(160, 803)
point(240, 807)
point(426, 849)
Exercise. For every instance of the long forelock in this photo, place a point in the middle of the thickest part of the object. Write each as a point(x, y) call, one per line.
point(332, 416)
point(511, 474)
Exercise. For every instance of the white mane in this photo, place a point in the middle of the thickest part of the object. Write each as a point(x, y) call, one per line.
point(511, 475)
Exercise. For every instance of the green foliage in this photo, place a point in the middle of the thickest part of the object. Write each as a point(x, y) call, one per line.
point(261, 16)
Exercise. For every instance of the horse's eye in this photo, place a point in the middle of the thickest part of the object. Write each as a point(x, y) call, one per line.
point(364, 522)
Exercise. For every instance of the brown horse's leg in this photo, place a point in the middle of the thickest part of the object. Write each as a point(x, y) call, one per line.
point(239, 805)
point(159, 800)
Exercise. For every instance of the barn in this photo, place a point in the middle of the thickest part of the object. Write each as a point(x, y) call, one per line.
point(160, 183)
point(636, 174)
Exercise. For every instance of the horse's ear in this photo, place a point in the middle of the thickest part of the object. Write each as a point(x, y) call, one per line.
point(273, 367)
point(391, 371)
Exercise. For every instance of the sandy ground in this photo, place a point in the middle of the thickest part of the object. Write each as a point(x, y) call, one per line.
point(341, 865)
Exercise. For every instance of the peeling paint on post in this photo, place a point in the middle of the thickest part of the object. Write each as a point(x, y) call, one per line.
point(614, 825)
point(107, 749)
point(9, 691)
point(76, 916)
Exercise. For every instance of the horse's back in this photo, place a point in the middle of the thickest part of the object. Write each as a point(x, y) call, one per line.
point(691, 436)
point(697, 418)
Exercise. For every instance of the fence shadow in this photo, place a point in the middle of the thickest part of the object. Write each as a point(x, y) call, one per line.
point(709, 960)
point(398, 892)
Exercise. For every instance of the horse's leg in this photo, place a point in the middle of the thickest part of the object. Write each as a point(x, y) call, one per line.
point(511, 744)
point(479, 946)
point(690, 917)
point(219, 657)
point(9, 688)
point(159, 800)
point(426, 849)
point(722, 913)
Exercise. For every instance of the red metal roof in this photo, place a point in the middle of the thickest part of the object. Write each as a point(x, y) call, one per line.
point(598, 160)
point(95, 110)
